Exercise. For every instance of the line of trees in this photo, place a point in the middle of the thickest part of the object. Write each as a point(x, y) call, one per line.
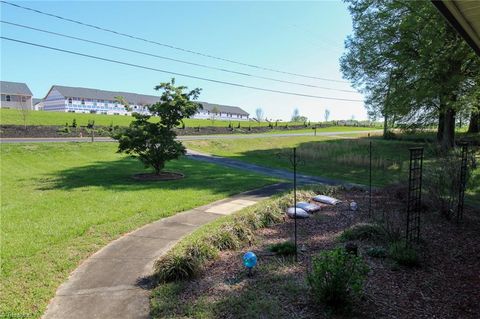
point(412, 66)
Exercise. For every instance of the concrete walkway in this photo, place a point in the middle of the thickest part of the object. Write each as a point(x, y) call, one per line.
point(109, 283)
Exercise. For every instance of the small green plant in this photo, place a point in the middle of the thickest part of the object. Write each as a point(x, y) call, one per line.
point(91, 124)
point(175, 267)
point(286, 248)
point(404, 255)
point(363, 232)
point(336, 278)
point(377, 252)
point(238, 126)
point(74, 123)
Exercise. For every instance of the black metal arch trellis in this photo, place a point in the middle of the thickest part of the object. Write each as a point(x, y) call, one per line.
point(462, 181)
point(414, 199)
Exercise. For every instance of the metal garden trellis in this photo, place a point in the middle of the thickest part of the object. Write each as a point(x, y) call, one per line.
point(414, 198)
point(463, 181)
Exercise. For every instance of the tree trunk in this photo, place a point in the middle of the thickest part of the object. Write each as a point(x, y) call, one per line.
point(385, 125)
point(448, 137)
point(441, 126)
point(474, 126)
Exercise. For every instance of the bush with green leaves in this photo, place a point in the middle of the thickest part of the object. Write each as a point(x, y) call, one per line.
point(403, 254)
point(363, 232)
point(286, 248)
point(336, 278)
point(153, 142)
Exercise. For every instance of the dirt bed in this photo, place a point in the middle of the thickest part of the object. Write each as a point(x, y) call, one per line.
point(445, 285)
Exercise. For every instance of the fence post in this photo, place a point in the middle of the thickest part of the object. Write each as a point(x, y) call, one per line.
point(370, 177)
point(295, 198)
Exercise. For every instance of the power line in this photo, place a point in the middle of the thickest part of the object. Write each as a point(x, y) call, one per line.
point(176, 73)
point(169, 45)
point(171, 59)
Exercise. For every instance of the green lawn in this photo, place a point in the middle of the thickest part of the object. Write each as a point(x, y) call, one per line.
point(337, 158)
point(63, 201)
point(342, 158)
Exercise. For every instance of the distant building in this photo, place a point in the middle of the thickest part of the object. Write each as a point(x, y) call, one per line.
point(15, 95)
point(37, 104)
point(84, 100)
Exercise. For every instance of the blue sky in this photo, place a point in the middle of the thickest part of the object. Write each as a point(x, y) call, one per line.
point(298, 37)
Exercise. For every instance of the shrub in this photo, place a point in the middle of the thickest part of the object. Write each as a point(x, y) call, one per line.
point(74, 123)
point(377, 252)
point(286, 248)
point(336, 278)
point(225, 239)
point(363, 232)
point(174, 267)
point(403, 254)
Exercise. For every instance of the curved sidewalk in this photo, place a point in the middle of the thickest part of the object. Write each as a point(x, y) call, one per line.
point(109, 283)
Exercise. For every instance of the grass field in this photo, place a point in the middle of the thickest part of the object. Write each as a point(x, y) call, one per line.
point(10, 116)
point(342, 158)
point(63, 201)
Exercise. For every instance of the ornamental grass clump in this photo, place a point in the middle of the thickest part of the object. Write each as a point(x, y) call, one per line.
point(188, 258)
point(336, 278)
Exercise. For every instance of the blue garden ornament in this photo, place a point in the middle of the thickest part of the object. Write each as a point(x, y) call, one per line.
point(249, 260)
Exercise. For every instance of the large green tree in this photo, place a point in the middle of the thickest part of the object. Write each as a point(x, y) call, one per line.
point(153, 142)
point(411, 64)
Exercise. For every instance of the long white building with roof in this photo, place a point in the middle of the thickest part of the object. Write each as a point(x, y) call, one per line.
point(83, 100)
point(15, 95)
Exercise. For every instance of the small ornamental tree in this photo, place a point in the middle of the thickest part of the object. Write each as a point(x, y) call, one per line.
point(153, 142)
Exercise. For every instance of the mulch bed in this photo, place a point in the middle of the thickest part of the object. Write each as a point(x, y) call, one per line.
point(446, 285)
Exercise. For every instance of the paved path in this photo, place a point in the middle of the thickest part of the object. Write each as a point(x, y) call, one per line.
point(274, 172)
point(180, 138)
point(108, 284)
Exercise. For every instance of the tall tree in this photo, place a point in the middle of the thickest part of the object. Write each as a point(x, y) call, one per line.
point(153, 142)
point(295, 115)
point(259, 114)
point(412, 66)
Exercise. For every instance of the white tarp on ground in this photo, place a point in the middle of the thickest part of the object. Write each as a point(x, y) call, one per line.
point(308, 207)
point(301, 214)
point(326, 200)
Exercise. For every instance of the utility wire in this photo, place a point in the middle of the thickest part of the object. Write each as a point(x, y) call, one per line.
point(175, 73)
point(171, 59)
point(169, 45)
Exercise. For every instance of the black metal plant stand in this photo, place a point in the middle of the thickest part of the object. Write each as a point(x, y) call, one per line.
point(414, 199)
point(463, 181)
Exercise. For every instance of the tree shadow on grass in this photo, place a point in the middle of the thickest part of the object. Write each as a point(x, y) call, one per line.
point(118, 175)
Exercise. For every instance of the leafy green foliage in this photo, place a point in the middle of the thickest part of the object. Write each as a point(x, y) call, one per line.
point(153, 143)
point(286, 248)
point(410, 63)
point(336, 277)
point(404, 255)
point(363, 232)
point(377, 252)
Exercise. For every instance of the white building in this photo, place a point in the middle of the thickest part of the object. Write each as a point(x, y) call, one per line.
point(84, 100)
point(15, 95)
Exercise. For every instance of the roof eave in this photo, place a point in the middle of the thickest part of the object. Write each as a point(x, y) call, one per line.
point(449, 9)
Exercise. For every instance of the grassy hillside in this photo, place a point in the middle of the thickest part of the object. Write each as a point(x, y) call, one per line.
point(63, 201)
point(9, 116)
